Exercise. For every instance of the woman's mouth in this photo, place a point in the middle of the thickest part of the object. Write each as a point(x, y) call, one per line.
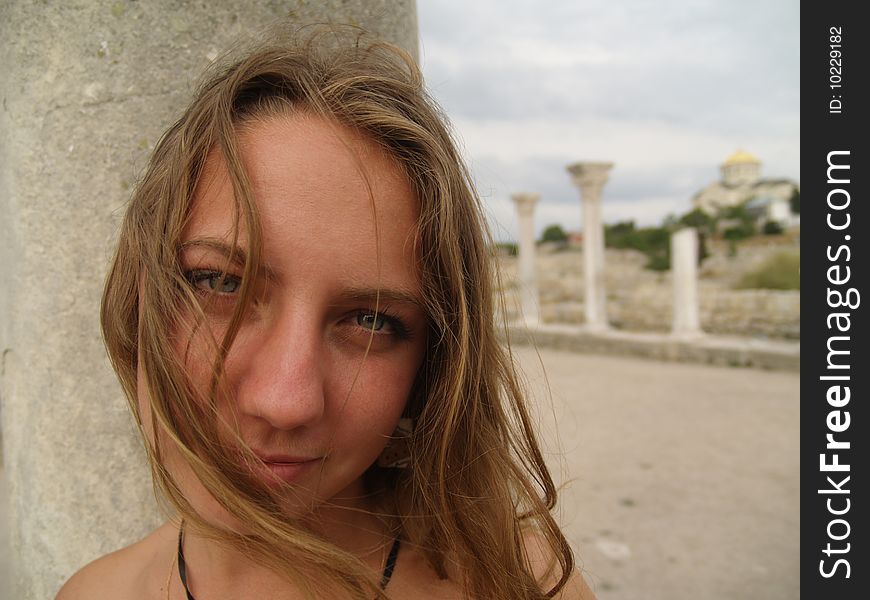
point(288, 469)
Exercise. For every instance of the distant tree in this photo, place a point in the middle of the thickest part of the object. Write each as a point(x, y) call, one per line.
point(698, 219)
point(795, 201)
point(652, 241)
point(738, 212)
point(615, 234)
point(703, 252)
point(660, 261)
point(745, 224)
point(656, 244)
point(771, 228)
point(554, 233)
point(739, 232)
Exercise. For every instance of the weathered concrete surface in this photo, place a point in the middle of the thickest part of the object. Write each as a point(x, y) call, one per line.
point(5, 551)
point(682, 480)
point(86, 88)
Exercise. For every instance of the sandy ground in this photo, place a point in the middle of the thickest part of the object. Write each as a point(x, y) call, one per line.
point(681, 481)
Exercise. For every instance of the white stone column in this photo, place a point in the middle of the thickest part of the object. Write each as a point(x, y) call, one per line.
point(684, 271)
point(590, 178)
point(528, 279)
point(87, 88)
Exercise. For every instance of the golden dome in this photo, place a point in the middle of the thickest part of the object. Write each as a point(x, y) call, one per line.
point(741, 157)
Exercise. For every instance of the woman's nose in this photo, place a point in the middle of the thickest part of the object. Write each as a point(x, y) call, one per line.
point(283, 376)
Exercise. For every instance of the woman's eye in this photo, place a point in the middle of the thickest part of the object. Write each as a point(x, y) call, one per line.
point(214, 281)
point(371, 321)
point(383, 324)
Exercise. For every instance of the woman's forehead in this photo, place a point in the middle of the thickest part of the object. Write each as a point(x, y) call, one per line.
point(305, 159)
point(318, 186)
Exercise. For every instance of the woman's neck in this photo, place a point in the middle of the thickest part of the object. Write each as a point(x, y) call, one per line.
point(355, 529)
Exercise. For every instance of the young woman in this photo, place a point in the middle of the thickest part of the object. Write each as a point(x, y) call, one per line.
point(300, 312)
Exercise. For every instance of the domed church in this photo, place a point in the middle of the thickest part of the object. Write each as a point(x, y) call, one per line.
point(742, 182)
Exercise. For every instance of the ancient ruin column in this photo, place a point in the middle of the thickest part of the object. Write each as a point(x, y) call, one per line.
point(684, 270)
point(86, 89)
point(528, 278)
point(590, 178)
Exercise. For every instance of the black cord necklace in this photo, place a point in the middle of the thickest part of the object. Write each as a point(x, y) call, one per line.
point(182, 566)
point(389, 566)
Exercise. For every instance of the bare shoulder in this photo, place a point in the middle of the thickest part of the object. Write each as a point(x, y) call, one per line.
point(545, 568)
point(415, 578)
point(130, 573)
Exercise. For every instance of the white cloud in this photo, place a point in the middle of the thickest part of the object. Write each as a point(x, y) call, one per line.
point(631, 144)
point(516, 53)
point(666, 89)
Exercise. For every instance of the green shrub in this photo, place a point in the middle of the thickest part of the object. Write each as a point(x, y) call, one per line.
point(739, 232)
point(613, 234)
point(647, 239)
point(658, 261)
point(743, 225)
point(771, 228)
point(779, 272)
point(698, 219)
point(738, 212)
point(795, 201)
point(703, 252)
point(554, 233)
point(655, 242)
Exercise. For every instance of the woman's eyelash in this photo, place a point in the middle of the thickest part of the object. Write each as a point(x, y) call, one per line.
point(368, 319)
point(211, 281)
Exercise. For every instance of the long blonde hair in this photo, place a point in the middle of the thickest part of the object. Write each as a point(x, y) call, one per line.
point(477, 479)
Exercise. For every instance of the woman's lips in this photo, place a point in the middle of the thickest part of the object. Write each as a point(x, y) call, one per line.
point(288, 469)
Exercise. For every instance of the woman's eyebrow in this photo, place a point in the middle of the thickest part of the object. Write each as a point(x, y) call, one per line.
point(381, 296)
point(236, 254)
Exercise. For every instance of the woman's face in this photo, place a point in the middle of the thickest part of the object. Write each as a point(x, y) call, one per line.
point(299, 386)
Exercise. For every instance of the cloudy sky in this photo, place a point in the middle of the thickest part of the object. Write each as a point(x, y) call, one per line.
point(666, 89)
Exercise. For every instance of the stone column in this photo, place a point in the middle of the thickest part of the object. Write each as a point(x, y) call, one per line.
point(528, 278)
point(684, 270)
point(590, 178)
point(86, 88)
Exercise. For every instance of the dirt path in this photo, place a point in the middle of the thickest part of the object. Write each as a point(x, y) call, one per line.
point(684, 478)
